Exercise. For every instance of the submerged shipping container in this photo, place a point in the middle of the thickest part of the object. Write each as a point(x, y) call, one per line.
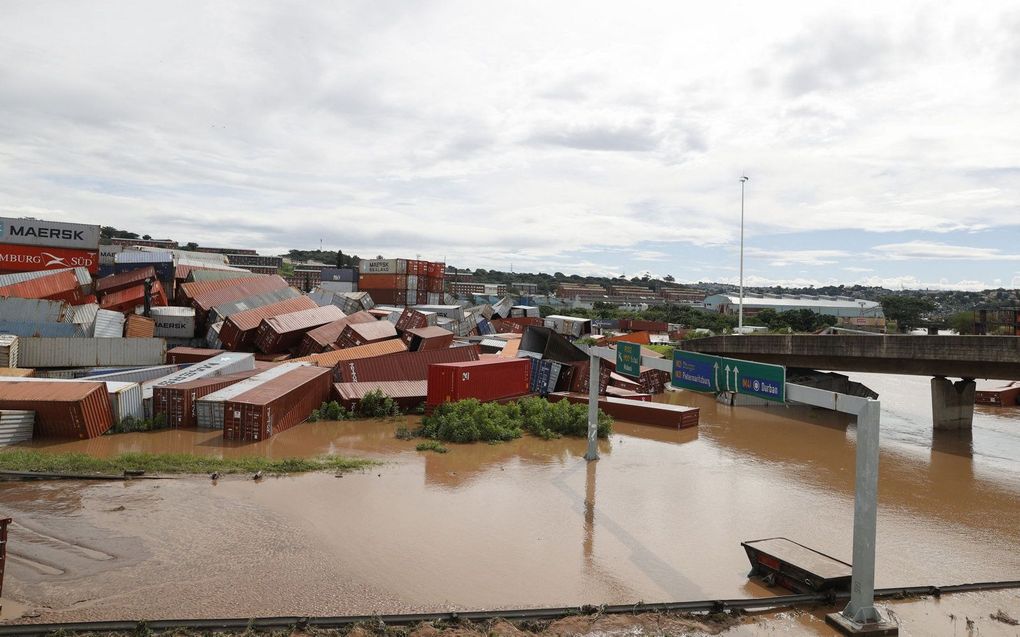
point(208, 409)
point(332, 359)
point(63, 410)
point(125, 397)
point(277, 405)
point(62, 285)
point(486, 380)
point(176, 403)
point(407, 394)
point(8, 350)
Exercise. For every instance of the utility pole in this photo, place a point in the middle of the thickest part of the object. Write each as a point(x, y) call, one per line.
point(740, 310)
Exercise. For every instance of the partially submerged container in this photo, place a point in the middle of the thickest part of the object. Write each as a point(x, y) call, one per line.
point(176, 403)
point(135, 374)
point(90, 352)
point(16, 426)
point(125, 397)
point(279, 333)
point(63, 410)
point(209, 409)
point(407, 394)
point(401, 365)
point(277, 405)
point(127, 299)
point(486, 380)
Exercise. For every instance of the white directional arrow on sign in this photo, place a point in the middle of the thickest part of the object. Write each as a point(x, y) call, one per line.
point(736, 384)
point(716, 366)
point(727, 378)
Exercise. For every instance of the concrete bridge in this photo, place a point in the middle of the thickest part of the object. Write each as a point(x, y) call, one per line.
point(942, 357)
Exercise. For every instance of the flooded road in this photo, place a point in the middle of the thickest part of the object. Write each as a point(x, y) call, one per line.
point(528, 523)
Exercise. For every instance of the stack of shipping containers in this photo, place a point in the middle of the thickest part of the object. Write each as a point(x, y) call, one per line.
point(28, 245)
point(402, 281)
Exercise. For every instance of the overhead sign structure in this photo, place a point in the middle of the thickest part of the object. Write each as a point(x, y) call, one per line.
point(715, 374)
point(628, 359)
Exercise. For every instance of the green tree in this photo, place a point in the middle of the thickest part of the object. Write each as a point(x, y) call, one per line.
point(962, 322)
point(191, 245)
point(906, 310)
point(339, 258)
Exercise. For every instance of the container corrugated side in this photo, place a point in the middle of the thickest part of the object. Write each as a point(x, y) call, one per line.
point(138, 375)
point(364, 333)
point(16, 426)
point(63, 410)
point(279, 333)
point(125, 397)
point(321, 338)
point(190, 355)
point(90, 352)
point(176, 403)
point(407, 394)
point(238, 330)
point(222, 311)
point(277, 405)
point(123, 280)
point(209, 412)
point(28, 329)
point(108, 324)
point(490, 379)
point(228, 363)
point(36, 310)
point(62, 285)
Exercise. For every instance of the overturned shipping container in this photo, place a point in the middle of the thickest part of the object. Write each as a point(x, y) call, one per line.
point(176, 403)
point(276, 405)
point(238, 330)
point(90, 352)
point(209, 409)
point(279, 333)
point(63, 410)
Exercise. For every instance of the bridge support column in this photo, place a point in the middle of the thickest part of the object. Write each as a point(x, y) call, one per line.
point(952, 404)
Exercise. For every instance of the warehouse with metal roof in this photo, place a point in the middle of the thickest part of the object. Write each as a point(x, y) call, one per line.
point(838, 306)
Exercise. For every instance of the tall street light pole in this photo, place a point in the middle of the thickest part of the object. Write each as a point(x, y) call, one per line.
point(740, 310)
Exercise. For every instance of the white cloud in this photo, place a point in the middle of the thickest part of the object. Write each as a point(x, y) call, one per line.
point(940, 251)
point(781, 258)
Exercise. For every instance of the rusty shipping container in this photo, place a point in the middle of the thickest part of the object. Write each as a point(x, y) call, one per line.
point(176, 403)
point(400, 366)
point(486, 380)
point(407, 394)
point(124, 280)
point(279, 333)
point(189, 355)
point(62, 410)
point(59, 286)
point(321, 338)
point(365, 333)
point(127, 299)
point(427, 338)
point(238, 330)
point(332, 359)
point(382, 282)
point(138, 326)
point(223, 310)
point(389, 297)
point(276, 405)
point(411, 319)
point(241, 288)
point(189, 290)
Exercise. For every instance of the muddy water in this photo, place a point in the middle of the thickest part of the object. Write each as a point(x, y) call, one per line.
point(659, 517)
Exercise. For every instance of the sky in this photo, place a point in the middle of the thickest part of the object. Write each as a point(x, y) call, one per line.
point(881, 140)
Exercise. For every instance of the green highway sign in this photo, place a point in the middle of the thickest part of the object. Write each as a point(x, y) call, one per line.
point(628, 359)
point(707, 373)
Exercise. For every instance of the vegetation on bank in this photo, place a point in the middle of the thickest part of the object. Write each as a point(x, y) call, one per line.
point(473, 421)
point(131, 424)
point(375, 404)
point(157, 463)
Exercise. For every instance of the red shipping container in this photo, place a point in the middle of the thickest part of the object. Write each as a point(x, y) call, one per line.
point(321, 338)
point(434, 285)
point(400, 366)
point(62, 410)
point(128, 299)
point(388, 297)
point(437, 270)
point(411, 319)
point(59, 286)
point(240, 289)
point(124, 280)
point(425, 338)
point(279, 333)
point(382, 282)
point(179, 355)
point(24, 258)
point(422, 297)
point(176, 403)
point(276, 405)
point(192, 289)
point(486, 380)
point(365, 333)
point(238, 330)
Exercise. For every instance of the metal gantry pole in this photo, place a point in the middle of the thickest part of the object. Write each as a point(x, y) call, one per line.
point(740, 309)
point(593, 407)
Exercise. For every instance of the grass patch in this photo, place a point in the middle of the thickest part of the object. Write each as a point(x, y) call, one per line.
point(471, 421)
point(431, 445)
point(80, 463)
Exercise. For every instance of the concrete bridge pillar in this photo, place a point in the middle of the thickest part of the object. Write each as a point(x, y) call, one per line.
point(952, 404)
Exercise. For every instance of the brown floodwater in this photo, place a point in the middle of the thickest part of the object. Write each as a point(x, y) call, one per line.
point(529, 523)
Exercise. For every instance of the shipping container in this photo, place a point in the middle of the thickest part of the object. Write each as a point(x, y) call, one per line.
point(29, 328)
point(89, 352)
point(188, 291)
point(85, 315)
point(174, 322)
point(279, 333)
point(176, 403)
point(437, 270)
point(241, 288)
point(198, 274)
point(39, 232)
point(62, 285)
point(401, 365)
point(322, 338)
point(338, 287)
point(340, 275)
point(16, 426)
point(224, 310)
point(36, 310)
point(133, 374)
point(245, 260)
point(189, 355)
point(125, 397)
point(427, 338)
point(128, 279)
point(394, 297)
point(239, 329)
point(382, 281)
point(411, 319)
point(486, 380)
point(108, 324)
point(355, 334)
point(454, 312)
point(161, 262)
point(82, 275)
point(383, 266)
point(8, 350)
point(277, 405)
point(62, 410)
point(332, 359)
point(138, 326)
point(407, 394)
point(127, 299)
point(209, 409)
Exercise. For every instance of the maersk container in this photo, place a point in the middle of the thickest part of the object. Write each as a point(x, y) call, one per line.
point(90, 352)
point(188, 355)
point(209, 409)
point(39, 232)
point(383, 266)
point(176, 403)
point(174, 322)
point(485, 380)
point(108, 324)
point(107, 254)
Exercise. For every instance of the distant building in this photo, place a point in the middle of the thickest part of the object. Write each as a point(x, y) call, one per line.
point(838, 306)
point(485, 289)
point(150, 243)
point(682, 295)
point(581, 291)
point(527, 289)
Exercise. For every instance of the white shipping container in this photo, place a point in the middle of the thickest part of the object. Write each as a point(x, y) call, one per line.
point(412, 282)
point(108, 324)
point(90, 352)
point(138, 375)
point(338, 286)
point(8, 350)
point(85, 315)
point(383, 266)
point(228, 363)
point(209, 408)
point(454, 312)
point(16, 425)
point(51, 234)
point(108, 254)
point(174, 322)
point(212, 336)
